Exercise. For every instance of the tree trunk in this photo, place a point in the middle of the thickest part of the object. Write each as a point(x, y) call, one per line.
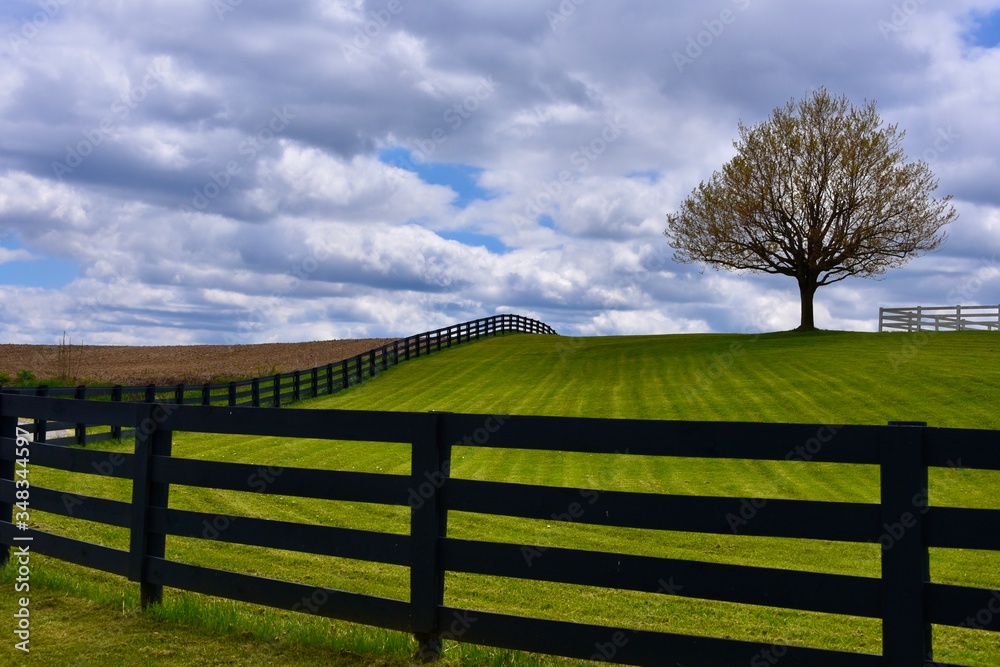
point(807, 290)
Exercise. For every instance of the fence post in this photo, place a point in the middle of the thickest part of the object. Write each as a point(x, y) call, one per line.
point(329, 378)
point(906, 635)
point(431, 464)
point(81, 429)
point(958, 316)
point(150, 441)
point(276, 392)
point(206, 394)
point(232, 394)
point(179, 394)
point(8, 429)
point(116, 397)
point(255, 391)
point(314, 379)
point(359, 371)
point(40, 424)
point(296, 385)
point(345, 378)
point(881, 318)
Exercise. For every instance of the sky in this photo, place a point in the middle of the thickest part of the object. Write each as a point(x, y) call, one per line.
point(242, 171)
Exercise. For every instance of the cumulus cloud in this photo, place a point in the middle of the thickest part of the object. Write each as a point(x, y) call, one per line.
point(218, 171)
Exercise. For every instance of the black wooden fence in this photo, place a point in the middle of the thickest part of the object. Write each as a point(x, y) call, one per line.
point(906, 525)
point(272, 390)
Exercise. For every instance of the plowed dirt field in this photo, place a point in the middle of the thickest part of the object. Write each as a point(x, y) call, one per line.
point(190, 364)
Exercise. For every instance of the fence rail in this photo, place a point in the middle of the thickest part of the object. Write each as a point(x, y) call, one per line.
point(271, 390)
point(939, 318)
point(903, 597)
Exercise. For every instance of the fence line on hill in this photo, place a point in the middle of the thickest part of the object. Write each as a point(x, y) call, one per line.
point(939, 318)
point(278, 389)
point(904, 522)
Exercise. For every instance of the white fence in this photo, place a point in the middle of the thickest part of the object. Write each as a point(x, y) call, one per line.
point(939, 318)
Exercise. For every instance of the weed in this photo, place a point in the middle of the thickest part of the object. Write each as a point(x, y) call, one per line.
point(26, 378)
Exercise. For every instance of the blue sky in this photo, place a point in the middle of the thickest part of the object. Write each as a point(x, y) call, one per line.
point(462, 179)
point(36, 271)
point(193, 172)
point(985, 30)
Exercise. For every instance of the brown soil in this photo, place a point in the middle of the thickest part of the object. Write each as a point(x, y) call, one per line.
point(190, 364)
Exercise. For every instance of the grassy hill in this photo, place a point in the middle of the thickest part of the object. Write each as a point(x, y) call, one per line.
point(948, 379)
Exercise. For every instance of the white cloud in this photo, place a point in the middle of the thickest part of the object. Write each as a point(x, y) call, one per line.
point(313, 236)
point(15, 255)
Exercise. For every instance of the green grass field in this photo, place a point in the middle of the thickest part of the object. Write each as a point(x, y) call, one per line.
point(825, 377)
point(948, 379)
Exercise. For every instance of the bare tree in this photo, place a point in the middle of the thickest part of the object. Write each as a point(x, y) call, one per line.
point(820, 191)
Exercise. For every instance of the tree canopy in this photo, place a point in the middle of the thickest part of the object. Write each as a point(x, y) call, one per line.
point(820, 191)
